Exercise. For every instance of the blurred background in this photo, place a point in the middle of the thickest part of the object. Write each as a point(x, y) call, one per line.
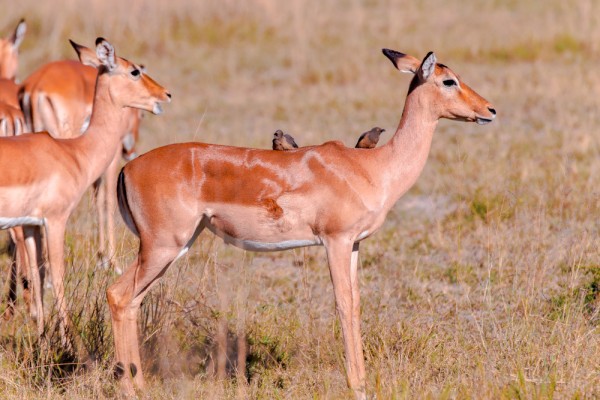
point(484, 281)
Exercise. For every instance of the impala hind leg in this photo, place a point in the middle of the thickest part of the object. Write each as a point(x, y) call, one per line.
point(124, 299)
point(343, 256)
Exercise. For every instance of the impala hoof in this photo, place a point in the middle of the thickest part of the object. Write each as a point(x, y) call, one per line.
point(133, 369)
point(119, 370)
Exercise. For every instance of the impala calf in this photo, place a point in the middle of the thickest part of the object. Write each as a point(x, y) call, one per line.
point(265, 200)
point(44, 178)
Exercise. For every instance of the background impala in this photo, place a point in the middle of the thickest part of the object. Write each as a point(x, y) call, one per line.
point(479, 284)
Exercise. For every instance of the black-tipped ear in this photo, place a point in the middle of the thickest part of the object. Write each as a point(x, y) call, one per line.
point(401, 61)
point(85, 55)
point(78, 48)
point(427, 66)
point(106, 53)
point(393, 55)
point(17, 37)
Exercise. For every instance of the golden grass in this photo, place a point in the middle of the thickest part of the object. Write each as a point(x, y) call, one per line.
point(484, 281)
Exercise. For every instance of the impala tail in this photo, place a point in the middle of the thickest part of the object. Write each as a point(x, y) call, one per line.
point(25, 103)
point(124, 204)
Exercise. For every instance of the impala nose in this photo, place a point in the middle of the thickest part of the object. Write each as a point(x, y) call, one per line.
point(493, 111)
point(169, 96)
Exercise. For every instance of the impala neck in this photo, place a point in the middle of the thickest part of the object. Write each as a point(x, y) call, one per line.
point(407, 151)
point(95, 149)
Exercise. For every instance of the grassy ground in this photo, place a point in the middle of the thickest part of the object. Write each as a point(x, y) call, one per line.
point(483, 283)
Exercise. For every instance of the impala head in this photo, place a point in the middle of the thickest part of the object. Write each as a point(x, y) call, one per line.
point(450, 97)
point(9, 51)
point(129, 86)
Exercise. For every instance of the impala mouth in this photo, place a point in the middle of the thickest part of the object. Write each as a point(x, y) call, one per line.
point(157, 109)
point(483, 121)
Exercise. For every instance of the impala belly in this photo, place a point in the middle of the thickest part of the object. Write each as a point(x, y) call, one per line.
point(6, 223)
point(260, 229)
point(254, 245)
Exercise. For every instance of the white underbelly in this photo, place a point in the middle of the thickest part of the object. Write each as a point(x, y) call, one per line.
point(8, 222)
point(253, 245)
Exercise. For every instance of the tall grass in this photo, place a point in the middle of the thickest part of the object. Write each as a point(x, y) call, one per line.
point(483, 283)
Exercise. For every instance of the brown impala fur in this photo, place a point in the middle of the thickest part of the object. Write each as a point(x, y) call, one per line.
point(273, 200)
point(44, 178)
point(57, 98)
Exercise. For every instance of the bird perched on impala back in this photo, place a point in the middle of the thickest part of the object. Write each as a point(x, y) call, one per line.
point(283, 141)
point(369, 139)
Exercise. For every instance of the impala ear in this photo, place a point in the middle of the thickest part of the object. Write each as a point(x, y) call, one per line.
point(427, 66)
point(86, 55)
point(17, 37)
point(106, 54)
point(401, 61)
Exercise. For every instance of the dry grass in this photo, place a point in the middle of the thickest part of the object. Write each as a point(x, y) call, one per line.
point(484, 281)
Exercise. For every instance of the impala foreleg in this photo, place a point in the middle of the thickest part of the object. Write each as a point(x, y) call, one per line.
point(30, 233)
point(356, 314)
point(342, 257)
point(55, 238)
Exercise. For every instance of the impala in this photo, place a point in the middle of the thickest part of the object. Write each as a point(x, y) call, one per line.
point(44, 178)
point(57, 98)
point(263, 200)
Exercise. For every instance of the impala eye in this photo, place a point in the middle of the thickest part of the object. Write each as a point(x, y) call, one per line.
point(450, 83)
point(135, 72)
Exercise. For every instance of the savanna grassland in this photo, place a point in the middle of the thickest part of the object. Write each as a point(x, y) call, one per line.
point(483, 283)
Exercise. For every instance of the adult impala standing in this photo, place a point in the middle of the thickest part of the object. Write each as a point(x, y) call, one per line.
point(264, 200)
point(44, 178)
point(57, 98)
